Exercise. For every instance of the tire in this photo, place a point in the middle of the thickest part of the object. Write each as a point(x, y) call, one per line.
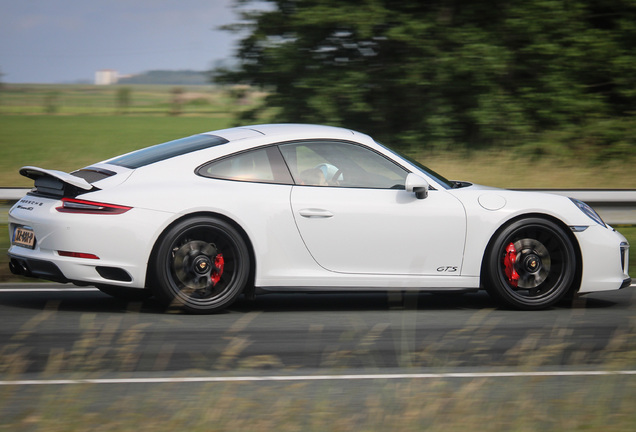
point(202, 265)
point(530, 265)
point(127, 294)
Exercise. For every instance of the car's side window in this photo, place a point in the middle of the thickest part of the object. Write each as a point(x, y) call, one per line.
point(341, 164)
point(264, 165)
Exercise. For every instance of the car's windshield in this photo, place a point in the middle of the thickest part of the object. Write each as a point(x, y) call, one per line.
point(445, 183)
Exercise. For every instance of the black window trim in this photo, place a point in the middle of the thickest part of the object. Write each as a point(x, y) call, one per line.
point(200, 168)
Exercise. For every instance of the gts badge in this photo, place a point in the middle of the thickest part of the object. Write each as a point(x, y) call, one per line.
point(447, 269)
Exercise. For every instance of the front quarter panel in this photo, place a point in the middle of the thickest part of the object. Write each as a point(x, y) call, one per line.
point(488, 210)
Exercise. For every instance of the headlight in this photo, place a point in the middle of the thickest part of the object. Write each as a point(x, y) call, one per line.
point(589, 211)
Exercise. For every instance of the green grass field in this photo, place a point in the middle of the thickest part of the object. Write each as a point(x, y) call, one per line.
point(66, 127)
point(67, 143)
point(31, 99)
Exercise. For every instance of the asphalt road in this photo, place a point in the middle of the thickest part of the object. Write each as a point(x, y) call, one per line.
point(57, 332)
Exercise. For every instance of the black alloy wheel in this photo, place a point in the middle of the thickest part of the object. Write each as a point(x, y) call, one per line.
point(530, 265)
point(202, 265)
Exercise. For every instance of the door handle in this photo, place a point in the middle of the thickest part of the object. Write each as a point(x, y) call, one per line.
point(315, 213)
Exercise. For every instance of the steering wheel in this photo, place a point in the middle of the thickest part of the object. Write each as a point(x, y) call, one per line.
point(334, 179)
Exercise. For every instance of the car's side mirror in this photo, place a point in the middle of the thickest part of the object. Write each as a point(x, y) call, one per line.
point(417, 185)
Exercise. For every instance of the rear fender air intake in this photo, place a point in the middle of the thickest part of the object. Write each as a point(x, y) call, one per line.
point(114, 273)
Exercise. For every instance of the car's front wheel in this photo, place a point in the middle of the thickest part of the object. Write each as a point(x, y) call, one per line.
point(202, 264)
point(530, 265)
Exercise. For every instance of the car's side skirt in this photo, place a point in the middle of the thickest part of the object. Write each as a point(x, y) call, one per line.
point(260, 290)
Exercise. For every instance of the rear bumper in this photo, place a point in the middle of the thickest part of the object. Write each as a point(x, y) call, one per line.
point(36, 269)
point(119, 245)
point(43, 269)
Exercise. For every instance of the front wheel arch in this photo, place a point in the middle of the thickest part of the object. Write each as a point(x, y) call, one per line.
point(578, 270)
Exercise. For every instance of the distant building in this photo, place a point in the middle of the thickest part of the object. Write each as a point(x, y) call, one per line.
point(106, 77)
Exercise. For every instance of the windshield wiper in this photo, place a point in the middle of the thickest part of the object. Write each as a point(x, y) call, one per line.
point(459, 184)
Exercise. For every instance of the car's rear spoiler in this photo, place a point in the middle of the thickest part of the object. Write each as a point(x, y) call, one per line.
point(36, 173)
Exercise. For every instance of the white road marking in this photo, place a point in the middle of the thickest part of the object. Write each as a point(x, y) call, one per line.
point(26, 290)
point(208, 379)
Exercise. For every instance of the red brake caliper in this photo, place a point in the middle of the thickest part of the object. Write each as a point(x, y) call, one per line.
point(509, 263)
point(219, 263)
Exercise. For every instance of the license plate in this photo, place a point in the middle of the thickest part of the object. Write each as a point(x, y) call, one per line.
point(24, 237)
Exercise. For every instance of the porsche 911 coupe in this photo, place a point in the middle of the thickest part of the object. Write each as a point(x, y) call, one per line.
point(201, 220)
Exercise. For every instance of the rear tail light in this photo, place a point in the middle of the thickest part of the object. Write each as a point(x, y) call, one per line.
point(72, 205)
point(77, 255)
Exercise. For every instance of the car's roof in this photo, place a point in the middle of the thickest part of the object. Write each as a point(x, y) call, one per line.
point(299, 130)
point(248, 135)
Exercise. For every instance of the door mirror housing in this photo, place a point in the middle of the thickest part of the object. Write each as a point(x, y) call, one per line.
point(417, 185)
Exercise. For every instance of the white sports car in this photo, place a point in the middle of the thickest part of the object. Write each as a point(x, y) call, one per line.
point(200, 220)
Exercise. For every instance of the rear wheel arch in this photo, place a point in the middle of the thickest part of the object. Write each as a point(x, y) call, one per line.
point(151, 281)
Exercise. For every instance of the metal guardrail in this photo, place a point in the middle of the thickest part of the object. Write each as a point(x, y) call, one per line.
point(12, 194)
point(616, 207)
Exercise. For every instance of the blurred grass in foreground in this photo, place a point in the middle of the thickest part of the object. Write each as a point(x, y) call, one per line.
point(513, 404)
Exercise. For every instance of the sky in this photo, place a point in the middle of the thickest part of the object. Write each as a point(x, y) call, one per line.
point(67, 41)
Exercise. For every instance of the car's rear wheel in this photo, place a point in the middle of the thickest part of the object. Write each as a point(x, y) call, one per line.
point(202, 264)
point(530, 265)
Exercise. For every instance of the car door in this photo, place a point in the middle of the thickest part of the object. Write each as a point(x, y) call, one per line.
point(355, 216)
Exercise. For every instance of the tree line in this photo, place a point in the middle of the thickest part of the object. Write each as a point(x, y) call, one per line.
point(447, 73)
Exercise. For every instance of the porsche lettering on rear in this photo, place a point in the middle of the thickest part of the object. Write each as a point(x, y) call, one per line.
point(28, 202)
